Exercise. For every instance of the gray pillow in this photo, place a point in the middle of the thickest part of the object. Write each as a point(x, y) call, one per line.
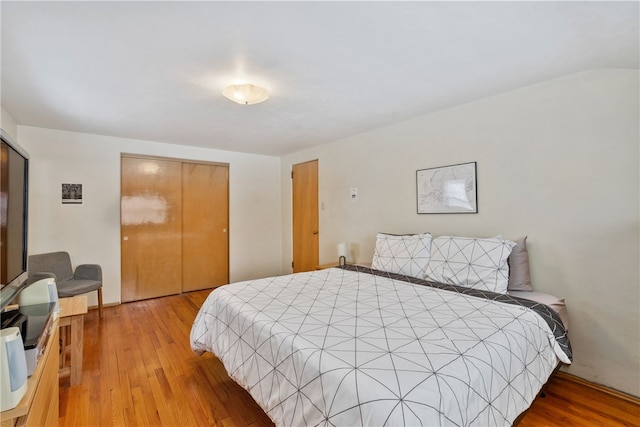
point(519, 276)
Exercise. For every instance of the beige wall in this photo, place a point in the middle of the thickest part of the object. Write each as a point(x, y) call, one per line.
point(91, 231)
point(557, 161)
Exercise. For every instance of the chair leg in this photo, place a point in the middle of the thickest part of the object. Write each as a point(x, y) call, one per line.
point(100, 302)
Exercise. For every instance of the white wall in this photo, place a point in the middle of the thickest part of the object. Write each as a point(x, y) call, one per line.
point(91, 232)
point(9, 125)
point(557, 161)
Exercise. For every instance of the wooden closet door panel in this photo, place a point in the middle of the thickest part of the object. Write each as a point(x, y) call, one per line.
point(205, 230)
point(151, 227)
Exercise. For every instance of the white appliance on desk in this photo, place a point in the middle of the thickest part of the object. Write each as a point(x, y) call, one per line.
point(13, 368)
point(38, 306)
point(41, 292)
point(35, 301)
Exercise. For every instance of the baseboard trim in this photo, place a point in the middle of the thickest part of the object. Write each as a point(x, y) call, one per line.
point(604, 389)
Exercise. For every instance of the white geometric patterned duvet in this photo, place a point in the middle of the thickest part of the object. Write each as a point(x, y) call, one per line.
point(338, 347)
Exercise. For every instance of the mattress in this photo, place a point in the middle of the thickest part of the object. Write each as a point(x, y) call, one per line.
point(555, 303)
point(353, 346)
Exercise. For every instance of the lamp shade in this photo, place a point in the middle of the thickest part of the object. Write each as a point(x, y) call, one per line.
point(342, 249)
point(246, 94)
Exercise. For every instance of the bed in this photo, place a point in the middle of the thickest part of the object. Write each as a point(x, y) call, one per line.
point(356, 346)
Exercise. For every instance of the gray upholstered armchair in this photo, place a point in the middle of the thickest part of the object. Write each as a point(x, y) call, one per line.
point(85, 278)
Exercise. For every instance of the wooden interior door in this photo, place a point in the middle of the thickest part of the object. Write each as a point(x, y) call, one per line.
point(151, 227)
point(205, 231)
point(305, 216)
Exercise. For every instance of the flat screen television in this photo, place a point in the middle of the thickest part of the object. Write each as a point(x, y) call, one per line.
point(14, 188)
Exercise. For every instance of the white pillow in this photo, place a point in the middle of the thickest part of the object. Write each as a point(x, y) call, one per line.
point(406, 254)
point(471, 262)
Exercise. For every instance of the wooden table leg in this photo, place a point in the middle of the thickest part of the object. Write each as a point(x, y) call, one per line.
point(77, 326)
point(63, 346)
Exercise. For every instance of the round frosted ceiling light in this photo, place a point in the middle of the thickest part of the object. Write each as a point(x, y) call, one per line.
point(246, 94)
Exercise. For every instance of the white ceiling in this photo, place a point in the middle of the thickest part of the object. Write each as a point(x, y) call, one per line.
point(155, 70)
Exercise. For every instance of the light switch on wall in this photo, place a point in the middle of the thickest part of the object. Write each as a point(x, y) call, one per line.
point(354, 194)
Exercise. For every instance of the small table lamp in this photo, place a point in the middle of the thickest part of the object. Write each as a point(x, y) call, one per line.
point(342, 253)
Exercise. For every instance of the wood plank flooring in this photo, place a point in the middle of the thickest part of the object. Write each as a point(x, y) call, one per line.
point(139, 371)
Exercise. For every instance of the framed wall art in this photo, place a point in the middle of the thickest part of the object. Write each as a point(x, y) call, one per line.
point(447, 189)
point(71, 194)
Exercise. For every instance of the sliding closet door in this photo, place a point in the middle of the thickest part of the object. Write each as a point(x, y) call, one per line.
point(205, 231)
point(151, 227)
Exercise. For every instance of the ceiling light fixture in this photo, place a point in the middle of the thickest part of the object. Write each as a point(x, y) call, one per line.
point(246, 94)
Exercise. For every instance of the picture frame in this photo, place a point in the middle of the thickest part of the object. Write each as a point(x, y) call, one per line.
point(71, 194)
point(447, 189)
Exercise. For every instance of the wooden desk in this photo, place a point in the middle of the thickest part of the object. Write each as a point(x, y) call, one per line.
point(328, 265)
point(335, 264)
point(72, 311)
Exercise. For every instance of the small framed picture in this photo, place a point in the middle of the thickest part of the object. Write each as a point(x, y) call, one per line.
point(447, 189)
point(72, 194)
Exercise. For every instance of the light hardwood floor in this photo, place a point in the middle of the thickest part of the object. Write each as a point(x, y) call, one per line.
point(139, 370)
